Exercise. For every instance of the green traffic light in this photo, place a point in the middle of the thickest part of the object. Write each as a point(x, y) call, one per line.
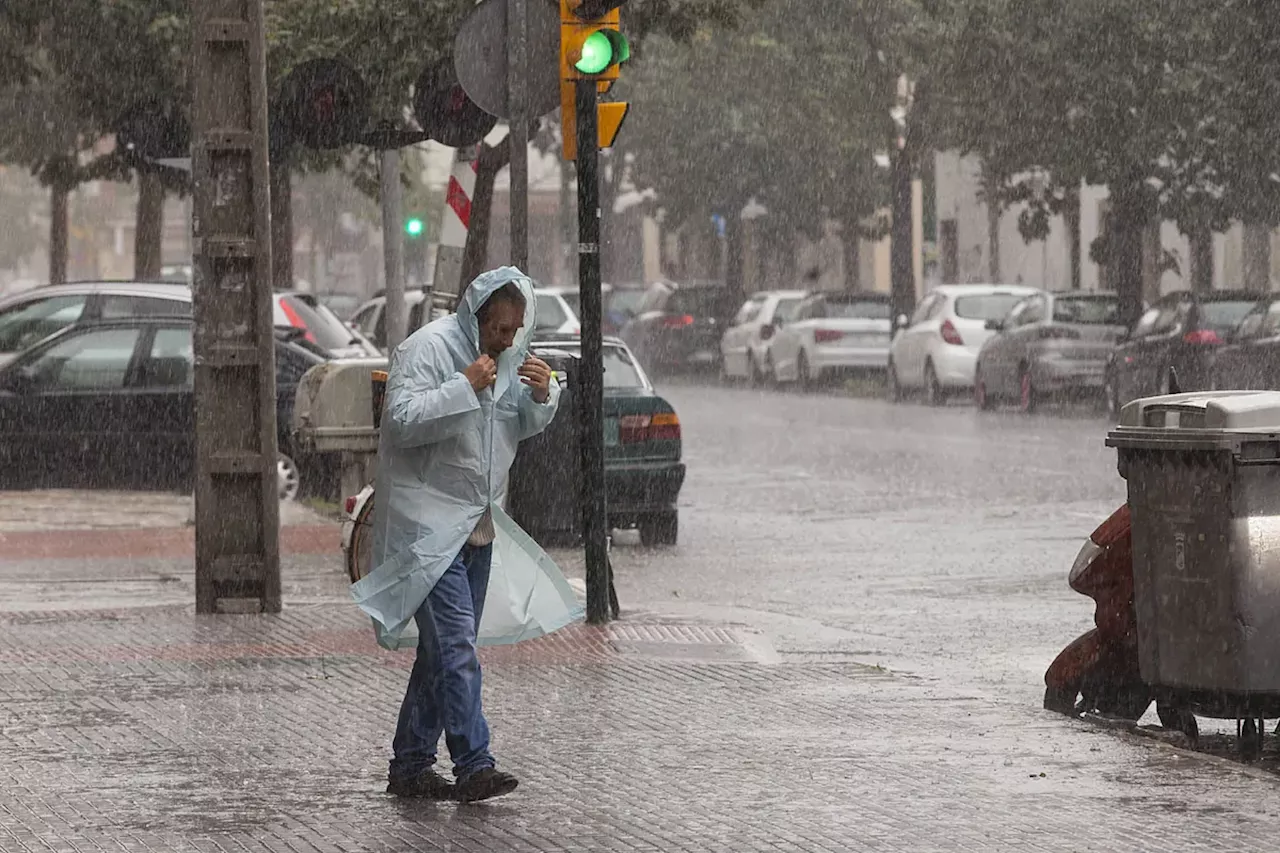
point(414, 227)
point(602, 49)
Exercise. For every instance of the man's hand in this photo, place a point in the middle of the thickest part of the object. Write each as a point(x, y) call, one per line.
point(536, 373)
point(482, 373)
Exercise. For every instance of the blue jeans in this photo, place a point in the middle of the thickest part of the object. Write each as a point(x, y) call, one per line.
point(444, 688)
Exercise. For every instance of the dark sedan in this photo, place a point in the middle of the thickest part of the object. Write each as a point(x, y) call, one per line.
point(1182, 331)
point(678, 326)
point(1050, 345)
point(1251, 358)
point(110, 404)
point(642, 447)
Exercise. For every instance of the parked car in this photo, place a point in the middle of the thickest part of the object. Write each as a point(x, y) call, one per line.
point(557, 311)
point(833, 333)
point(1050, 345)
point(679, 325)
point(110, 402)
point(1182, 331)
point(642, 444)
point(370, 319)
point(29, 317)
point(1250, 358)
point(745, 347)
point(936, 350)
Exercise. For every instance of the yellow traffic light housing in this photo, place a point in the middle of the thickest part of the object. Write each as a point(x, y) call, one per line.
point(592, 47)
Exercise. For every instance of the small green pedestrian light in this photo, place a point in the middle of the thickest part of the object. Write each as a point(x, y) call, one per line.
point(414, 227)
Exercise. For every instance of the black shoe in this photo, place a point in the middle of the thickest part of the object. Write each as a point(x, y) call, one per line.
point(429, 784)
point(484, 785)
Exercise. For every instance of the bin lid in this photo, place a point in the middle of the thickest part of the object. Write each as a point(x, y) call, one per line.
point(1200, 419)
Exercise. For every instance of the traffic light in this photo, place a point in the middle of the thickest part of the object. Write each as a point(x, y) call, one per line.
point(592, 47)
point(444, 110)
point(414, 226)
point(323, 104)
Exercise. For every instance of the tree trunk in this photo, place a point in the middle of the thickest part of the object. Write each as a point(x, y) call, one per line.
point(610, 176)
point(148, 231)
point(1071, 214)
point(567, 257)
point(281, 225)
point(1128, 222)
point(476, 253)
point(733, 277)
point(902, 272)
point(852, 257)
point(1201, 239)
point(1257, 258)
point(59, 198)
point(993, 235)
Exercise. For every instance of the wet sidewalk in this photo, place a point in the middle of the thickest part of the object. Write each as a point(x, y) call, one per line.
point(142, 727)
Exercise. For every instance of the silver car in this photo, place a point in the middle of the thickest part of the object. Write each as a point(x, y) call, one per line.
point(1049, 345)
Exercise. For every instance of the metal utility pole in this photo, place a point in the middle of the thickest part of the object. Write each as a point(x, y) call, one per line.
point(237, 533)
point(393, 247)
point(518, 112)
point(595, 528)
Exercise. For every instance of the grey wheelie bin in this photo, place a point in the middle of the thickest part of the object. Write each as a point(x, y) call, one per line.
point(1203, 473)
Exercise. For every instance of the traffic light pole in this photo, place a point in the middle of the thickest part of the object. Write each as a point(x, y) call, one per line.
point(595, 528)
point(237, 530)
point(518, 109)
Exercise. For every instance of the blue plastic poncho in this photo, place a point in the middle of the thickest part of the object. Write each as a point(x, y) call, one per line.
point(444, 455)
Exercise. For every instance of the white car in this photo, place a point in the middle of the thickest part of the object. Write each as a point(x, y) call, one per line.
point(744, 348)
point(557, 311)
point(833, 332)
point(554, 315)
point(936, 350)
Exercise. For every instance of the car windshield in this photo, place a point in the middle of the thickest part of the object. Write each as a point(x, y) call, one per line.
point(1225, 315)
point(321, 323)
point(858, 309)
point(987, 306)
point(786, 309)
point(1087, 310)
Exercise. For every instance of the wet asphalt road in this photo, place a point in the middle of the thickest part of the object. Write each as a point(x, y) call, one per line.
point(931, 541)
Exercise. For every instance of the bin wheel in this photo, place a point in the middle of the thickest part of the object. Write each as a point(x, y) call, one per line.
point(1250, 741)
point(361, 554)
point(1179, 720)
point(1124, 702)
point(1061, 699)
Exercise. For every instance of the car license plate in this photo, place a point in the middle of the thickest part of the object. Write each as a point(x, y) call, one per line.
point(610, 432)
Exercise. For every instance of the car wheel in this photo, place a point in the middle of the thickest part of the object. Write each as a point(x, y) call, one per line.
point(287, 477)
point(934, 394)
point(1027, 396)
point(803, 372)
point(661, 528)
point(980, 396)
point(892, 388)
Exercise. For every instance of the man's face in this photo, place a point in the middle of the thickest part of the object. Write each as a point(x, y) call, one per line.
point(498, 331)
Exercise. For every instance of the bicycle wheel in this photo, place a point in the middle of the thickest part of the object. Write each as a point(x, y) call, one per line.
point(360, 557)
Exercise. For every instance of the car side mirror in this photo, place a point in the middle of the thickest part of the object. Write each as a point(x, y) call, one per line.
point(995, 325)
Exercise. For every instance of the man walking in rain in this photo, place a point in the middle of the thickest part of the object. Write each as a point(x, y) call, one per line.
point(462, 392)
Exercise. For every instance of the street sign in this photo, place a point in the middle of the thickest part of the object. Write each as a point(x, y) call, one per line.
point(480, 57)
